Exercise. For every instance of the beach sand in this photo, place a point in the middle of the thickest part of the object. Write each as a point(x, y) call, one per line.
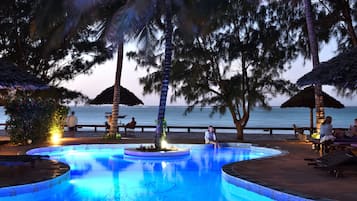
point(288, 173)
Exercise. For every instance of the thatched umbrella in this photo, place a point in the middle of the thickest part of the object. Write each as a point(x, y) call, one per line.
point(126, 97)
point(306, 98)
point(15, 77)
point(340, 71)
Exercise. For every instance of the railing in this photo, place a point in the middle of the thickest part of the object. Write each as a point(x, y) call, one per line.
point(189, 129)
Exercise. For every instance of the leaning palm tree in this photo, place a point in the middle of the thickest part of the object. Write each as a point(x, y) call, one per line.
point(130, 19)
point(320, 113)
point(70, 16)
point(338, 12)
point(135, 15)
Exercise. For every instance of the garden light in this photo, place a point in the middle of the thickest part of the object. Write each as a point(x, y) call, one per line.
point(55, 135)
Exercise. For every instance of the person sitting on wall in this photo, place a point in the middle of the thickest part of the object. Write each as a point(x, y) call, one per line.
point(72, 122)
point(352, 131)
point(210, 136)
point(108, 123)
point(131, 124)
point(326, 135)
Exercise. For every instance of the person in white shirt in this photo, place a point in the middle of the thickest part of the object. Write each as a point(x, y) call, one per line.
point(72, 122)
point(326, 134)
point(210, 136)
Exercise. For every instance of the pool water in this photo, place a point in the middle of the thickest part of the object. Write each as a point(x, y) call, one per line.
point(103, 172)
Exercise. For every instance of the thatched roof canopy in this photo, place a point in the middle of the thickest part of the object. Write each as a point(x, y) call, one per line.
point(126, 97)
point(340, 71)
point(306, 98)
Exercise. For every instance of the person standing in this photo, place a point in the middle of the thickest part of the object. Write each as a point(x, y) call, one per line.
point(72, 122)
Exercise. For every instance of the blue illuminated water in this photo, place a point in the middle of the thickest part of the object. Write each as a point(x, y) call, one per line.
point(102, 172)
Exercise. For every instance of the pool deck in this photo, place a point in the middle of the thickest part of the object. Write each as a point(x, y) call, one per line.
point(289, 172)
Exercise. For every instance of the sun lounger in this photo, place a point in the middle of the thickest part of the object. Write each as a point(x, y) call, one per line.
point(343, 143)
point(333, 162)
point(318, 145)
point(11, 160)
point(346, 140)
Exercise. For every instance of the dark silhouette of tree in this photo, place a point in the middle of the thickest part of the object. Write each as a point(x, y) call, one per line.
point(320, 112)
point(236, 66)
point(132, 18)
point(77, 56)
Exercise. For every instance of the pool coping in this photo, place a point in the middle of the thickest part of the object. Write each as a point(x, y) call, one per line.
point(263, 189)
point(273, 192)
point(12, 192)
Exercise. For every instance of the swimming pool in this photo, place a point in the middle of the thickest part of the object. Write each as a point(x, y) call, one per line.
point(103, 172)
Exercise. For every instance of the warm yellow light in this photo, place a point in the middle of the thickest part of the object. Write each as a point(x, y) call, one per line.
point(315, 136)
point(56, 135)
point(164, 144)
point(56, 138)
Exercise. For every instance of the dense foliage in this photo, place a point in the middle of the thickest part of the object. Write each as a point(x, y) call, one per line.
point(236, 66)
point(233, 59)
point(40, 55)
point(30, 119)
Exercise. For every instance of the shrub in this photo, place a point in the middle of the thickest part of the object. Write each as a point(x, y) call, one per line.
point(30, 118)
point(58, 120)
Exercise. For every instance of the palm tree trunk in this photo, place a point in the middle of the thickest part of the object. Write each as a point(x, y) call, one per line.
point(320, 113)
point(166, 74)
point(116, 95)
point(311, 120)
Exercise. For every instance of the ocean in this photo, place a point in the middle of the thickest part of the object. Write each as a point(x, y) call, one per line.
point(146, 115)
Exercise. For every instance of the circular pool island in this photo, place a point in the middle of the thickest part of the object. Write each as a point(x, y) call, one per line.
point(167, 152)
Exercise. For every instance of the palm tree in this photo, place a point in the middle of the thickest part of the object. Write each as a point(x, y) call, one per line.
point(320, 113)
point(116, 94)
point(130, 19)
point(133, 18)
point(115, 30)
point(166, 74)
point(74, 21)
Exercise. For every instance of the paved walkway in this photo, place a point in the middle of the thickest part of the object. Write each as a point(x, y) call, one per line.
point(288, 173)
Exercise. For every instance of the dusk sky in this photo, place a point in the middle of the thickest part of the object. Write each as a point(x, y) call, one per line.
point(103, 77)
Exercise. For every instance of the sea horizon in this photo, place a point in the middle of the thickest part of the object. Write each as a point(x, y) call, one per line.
point(259, 117)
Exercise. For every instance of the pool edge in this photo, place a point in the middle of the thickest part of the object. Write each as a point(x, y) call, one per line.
point(12, 192)
point(255, 186)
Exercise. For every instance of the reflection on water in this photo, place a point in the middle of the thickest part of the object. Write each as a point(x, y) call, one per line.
point(107, 175)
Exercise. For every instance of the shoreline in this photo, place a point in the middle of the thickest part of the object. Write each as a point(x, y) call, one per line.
point(146, 115)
